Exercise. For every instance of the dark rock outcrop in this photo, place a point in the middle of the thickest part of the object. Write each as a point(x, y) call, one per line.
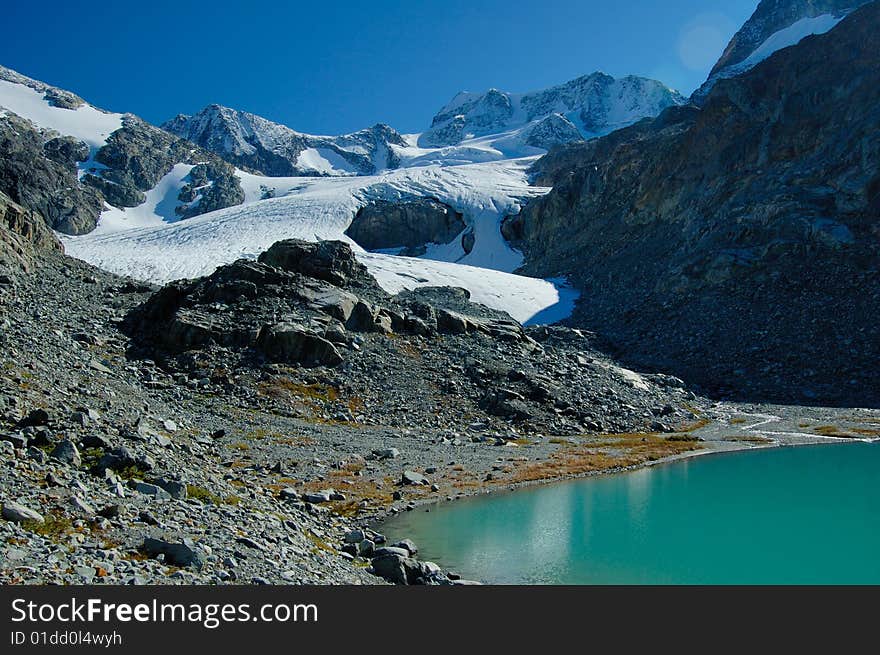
point(409, 225)
point(138, 155)
point(302, 304)
point(24, 235)
point(38, 171)
point(331, 261)
point(735, 246)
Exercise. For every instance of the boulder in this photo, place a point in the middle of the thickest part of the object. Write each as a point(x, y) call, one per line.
point(182, 553)
point(408, 545)
point(122, 458)
point(292, 343)
point(337, 303)
point(18, 513)
point(66, 452)
point(331, 261)
point(413, 478)
point(390, 568)
point(175, 488)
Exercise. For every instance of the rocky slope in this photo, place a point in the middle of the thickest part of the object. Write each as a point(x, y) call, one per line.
point(248, 426)
point(66, 169)
point(775, 24)
point(588, 106)
point(736, 245)
point(261, 146)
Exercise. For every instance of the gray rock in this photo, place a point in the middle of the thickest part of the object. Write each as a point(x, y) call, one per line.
point(18, 513)
point(175, 488)
point(288, 493)
point(407, 545)
point(391, 550)
point(413, 478)
point(391, 568)
point(151, 490)
point(317, 497)
point(288, 342)
point(81, 506)
point(67, 453)
point(182, 553)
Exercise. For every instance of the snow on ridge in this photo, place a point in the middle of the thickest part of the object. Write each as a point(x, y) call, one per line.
point(784, 38)
point(159, 208)
point(789, 36)
point(85, 123)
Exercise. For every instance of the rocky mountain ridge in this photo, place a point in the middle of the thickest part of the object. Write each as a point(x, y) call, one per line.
point(734, 245)
point(775, 24)
point(588, 106)
point(261, 146)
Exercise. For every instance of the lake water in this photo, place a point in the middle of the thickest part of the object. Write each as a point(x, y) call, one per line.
point(806, 515)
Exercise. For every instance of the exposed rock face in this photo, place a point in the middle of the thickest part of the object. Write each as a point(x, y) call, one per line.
point(259, 145)
point(292, 343)
point(38, 171)
point(767, 24)
point(735, 246)
point(298, 304)
point(588, 106)
point(410, 224)
point(331, 261)
point(23, 235)
point(211, 186)
point(139, 155)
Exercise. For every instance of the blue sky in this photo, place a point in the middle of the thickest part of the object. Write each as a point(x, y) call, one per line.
point(333, 67)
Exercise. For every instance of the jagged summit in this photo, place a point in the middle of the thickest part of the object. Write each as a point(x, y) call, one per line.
point(588, 106)
point(262, 146)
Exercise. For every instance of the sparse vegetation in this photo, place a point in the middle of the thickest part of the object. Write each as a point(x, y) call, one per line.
point(54, 527)
point(612, 452)
point(753, 439)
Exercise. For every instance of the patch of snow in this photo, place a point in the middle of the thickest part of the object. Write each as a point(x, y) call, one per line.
point(158, 209)
point(324, 161)
point(791, 35)
point(784, 38)
point(84, 123)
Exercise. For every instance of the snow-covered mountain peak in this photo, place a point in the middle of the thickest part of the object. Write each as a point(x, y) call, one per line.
point(593, 104)
point(260, 145)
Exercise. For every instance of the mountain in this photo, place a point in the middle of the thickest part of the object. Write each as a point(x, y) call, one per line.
point(589, 106)
point(735, 245)
point(74, 163)
point(261, 146)
point(776, 24)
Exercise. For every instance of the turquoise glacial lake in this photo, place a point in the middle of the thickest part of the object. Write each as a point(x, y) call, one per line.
point(805, 515)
